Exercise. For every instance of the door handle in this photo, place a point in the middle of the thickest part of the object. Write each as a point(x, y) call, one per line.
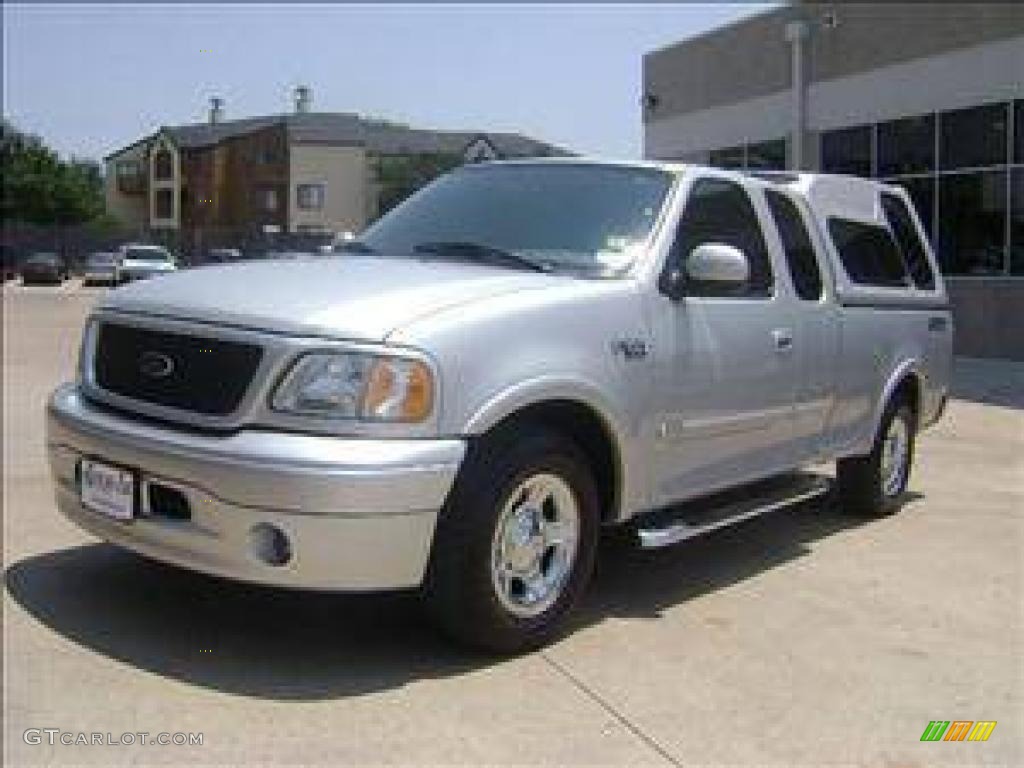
point(783, 338)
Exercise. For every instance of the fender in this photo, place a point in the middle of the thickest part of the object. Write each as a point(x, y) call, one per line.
point(632, 482)
point(910, 366)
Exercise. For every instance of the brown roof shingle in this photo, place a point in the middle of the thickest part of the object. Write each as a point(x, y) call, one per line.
point(350, 129)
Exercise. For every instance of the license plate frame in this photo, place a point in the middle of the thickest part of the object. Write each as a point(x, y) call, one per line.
point(108, 490)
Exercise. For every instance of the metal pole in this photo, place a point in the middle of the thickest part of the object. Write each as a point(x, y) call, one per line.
point(796, 33)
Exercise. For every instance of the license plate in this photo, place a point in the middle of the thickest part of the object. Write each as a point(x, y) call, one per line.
point(108, 490)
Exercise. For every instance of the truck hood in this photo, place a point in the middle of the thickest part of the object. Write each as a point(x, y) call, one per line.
point(349, 297)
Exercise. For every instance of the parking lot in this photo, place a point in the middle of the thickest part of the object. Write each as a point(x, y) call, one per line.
point(801, 637)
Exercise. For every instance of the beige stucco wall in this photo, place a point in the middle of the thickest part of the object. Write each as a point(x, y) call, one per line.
point(344, 172)
point(131, 210)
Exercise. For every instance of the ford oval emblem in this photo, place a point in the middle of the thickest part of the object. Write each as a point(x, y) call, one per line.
point(156, 365)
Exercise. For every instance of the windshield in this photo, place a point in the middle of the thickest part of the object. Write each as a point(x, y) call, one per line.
point(575, 217)
point(147, 254)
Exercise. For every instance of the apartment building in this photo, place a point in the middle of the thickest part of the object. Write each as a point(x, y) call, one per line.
point(221, 181)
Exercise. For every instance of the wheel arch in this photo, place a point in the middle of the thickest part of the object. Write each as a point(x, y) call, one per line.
point(581, 414)
point(906, 380)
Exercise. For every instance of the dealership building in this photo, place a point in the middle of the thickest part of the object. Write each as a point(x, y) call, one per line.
point(928, 96)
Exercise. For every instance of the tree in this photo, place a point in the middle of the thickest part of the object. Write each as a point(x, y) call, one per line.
point(40, 188)
point(400, 175)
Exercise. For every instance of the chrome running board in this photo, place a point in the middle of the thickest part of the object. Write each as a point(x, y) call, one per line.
point(695, 518)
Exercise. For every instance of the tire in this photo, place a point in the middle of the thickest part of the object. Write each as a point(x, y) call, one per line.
point(482, 532)
point(871, 486)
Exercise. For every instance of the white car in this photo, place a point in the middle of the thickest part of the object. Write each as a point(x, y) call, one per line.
point(141, 261)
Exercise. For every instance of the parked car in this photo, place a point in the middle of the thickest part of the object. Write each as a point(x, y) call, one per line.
point(222, 256)
point(513, 358)
point(43, 269)
point(138, 262)
point(8, 263)
point(100, 269)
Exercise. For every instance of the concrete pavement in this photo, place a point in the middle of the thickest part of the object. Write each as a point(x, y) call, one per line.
point(799, 638)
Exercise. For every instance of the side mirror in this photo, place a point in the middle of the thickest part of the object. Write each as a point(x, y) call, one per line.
point(717, 265)
point(672, 283)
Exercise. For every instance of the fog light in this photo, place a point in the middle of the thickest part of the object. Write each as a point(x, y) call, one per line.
point(269, 544)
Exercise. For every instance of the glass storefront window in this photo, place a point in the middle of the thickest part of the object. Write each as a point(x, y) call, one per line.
point(973, 138)
point(1017, 222)
point(1018, 128)
point(767, 155)
point(971, 210)
point(972, 223)
point(729, 157)
point(847, 151)
point(906, 146)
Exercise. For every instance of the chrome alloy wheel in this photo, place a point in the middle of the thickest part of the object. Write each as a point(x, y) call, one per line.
point(534, 546)
point(895, 456)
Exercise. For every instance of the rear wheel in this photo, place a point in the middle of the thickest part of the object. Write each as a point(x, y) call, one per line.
point(515, 544)
point(875, 484)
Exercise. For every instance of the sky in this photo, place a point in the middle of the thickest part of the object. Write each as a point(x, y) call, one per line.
point(90, 79)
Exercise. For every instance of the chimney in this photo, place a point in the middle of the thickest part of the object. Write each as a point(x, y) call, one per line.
point(303, 99)
point(216, 110)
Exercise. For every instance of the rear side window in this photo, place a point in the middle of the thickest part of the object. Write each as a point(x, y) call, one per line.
point(720, 211)
point(914, 254)
point(796, 242)
point(869, 254)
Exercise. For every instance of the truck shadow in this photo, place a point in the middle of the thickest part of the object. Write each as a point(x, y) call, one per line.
point(289, 645)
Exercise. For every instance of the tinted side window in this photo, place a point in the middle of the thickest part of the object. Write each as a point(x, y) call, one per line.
point(913, 251)
point(796, 242)
point(720, 211)
point(868, 252)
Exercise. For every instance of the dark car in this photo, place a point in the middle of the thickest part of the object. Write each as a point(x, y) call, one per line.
point(8, 263)
point(43, 269)
point(222, 256)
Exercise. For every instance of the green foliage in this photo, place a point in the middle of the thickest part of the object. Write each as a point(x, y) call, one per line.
point(400, 175)
point(40, 188)
point(105, 224)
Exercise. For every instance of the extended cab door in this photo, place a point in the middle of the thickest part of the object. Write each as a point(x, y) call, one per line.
point(816, 322)
point(726, 369)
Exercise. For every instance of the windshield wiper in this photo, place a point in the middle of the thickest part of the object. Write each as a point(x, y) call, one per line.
point(481, 253)
point(354, 246)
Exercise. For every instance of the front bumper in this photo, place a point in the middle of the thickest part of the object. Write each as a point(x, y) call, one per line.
point(140, 273)
point(48, 278)
point(99, 276)
point(358, 514)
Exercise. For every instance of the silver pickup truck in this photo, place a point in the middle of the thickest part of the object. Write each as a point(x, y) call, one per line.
point(518, 355)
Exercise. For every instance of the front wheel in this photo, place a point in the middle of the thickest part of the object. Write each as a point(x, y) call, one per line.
point(515, 543)
point(874, 484)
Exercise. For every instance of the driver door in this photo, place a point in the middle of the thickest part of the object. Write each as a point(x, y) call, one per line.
point(726, 373)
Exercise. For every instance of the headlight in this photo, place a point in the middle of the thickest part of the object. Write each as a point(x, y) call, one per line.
point(355, 385)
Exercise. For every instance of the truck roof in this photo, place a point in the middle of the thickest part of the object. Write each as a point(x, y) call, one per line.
point(828, 195)
point(850, 197)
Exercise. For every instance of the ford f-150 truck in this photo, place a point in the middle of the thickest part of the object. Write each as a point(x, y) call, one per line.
point(514, 357)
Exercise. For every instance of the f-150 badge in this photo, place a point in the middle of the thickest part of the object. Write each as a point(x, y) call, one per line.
point(630, 349)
